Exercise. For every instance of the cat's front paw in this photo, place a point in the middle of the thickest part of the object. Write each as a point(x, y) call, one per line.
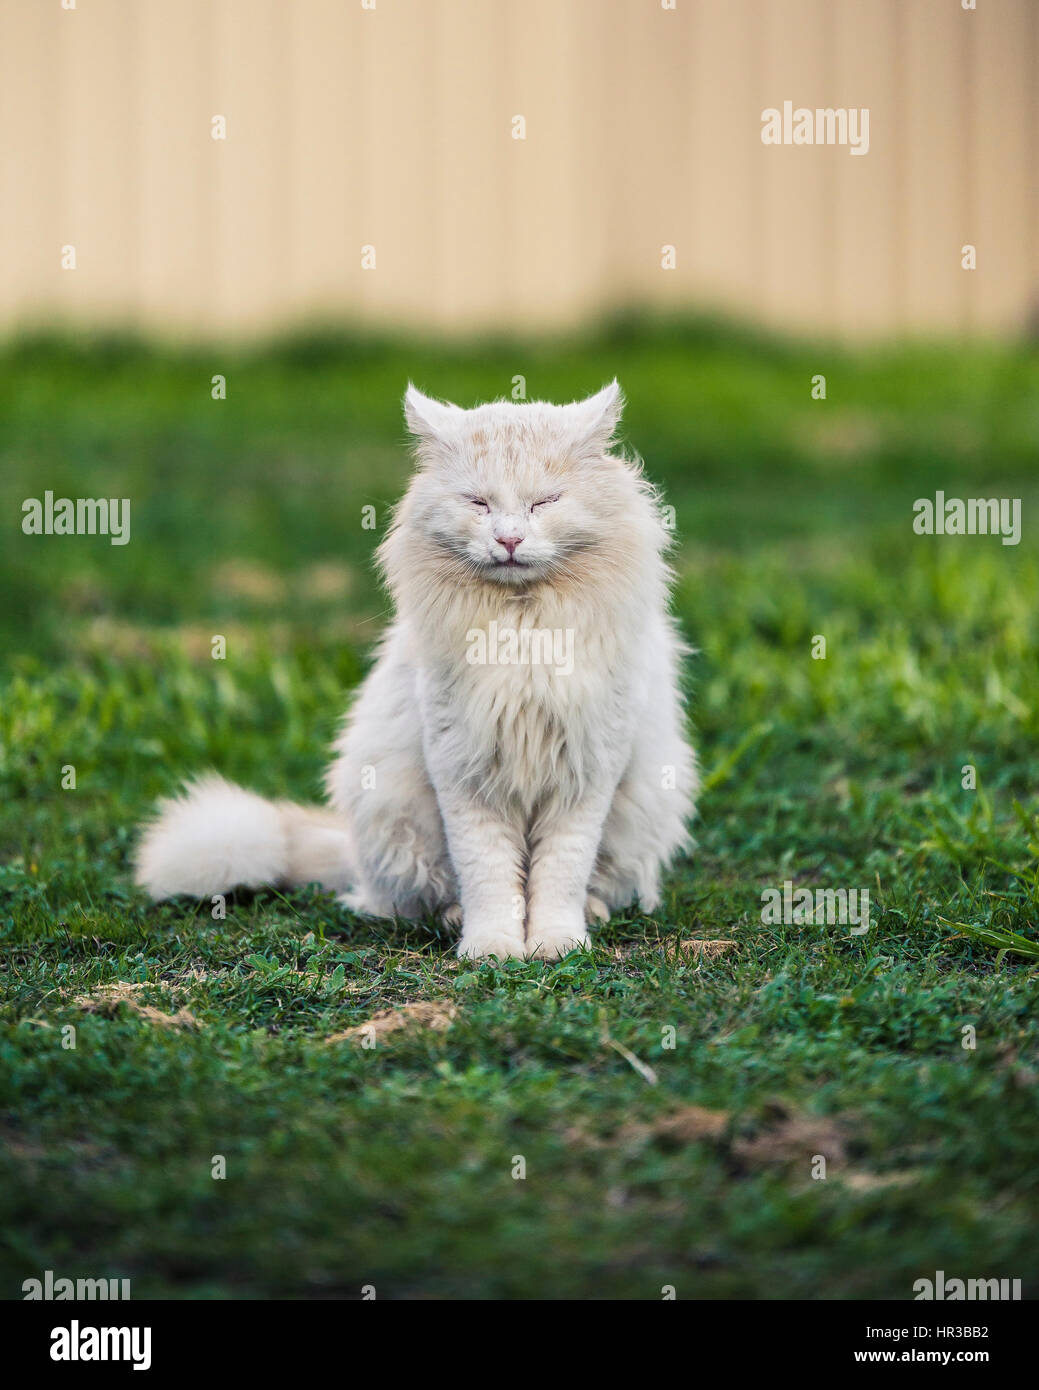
point(479, 942)
point(550, 940)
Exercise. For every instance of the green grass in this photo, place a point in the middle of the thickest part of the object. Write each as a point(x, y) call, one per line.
point(393, 1166)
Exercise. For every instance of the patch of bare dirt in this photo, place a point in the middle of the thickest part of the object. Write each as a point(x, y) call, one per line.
point(108, 999)
point(876, 1182)
point(699, 948)
point(437, 1014)
point(792, 1137)
point(687, 1125)
point(691, 948)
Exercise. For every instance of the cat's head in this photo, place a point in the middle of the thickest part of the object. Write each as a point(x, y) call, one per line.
point(514, 493)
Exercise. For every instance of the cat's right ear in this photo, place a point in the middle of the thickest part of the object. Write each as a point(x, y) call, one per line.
point(428, 420)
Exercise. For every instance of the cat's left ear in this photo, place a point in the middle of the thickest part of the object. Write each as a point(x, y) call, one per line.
point(429, 420)
point(595, 420)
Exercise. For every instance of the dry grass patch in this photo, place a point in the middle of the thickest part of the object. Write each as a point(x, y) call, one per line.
point(109, 999)
point(793, 1137)
point(696, 948)
point(437, 1014)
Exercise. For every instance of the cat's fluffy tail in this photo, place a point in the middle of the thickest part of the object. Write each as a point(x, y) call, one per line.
point(215, 836)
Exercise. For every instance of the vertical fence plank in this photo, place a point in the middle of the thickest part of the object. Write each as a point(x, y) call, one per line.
point(1002, 288)
point(470, 158)
point(394, 210)
point(866, 221)
point(658, 191)
point(542, 49)
point(173, 192)
point(793, 250)
point(935, 184)
point(725, 136)
point(596, 196)
point(98, 161)
point(326, 134)
point(31, 41)
point(249, 168)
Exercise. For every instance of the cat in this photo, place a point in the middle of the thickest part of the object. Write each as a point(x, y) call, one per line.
point(516, 759)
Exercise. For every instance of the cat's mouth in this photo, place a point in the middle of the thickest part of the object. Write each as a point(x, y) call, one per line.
point(511, 571)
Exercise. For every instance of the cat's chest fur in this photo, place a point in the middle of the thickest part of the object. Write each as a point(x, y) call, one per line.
point(528, 698)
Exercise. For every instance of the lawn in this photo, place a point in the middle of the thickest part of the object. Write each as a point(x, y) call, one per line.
point(648, 1115)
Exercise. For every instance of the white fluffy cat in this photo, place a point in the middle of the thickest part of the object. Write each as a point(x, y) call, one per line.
point(516, 759)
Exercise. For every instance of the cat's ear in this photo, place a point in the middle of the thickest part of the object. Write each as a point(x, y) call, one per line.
point(427, 419)
point(595, 420)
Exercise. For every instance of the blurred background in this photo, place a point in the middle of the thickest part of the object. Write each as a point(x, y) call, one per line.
point(389, 124)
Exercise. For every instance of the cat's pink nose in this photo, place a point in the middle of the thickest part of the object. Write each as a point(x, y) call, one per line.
point(510, 543)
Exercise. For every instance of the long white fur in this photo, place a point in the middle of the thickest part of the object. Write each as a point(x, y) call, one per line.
point(533, 796)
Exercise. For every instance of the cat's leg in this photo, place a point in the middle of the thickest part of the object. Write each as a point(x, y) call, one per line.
point(562, 857)
point(487, 858)
point(595, 910)
point(647, 821)
point(404, 869)
point(378, 780)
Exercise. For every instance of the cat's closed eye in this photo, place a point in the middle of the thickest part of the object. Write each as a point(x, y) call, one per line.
point(544, 501)
point(479, 503)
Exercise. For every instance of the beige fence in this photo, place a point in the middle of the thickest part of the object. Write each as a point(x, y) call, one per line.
point(390, 125)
